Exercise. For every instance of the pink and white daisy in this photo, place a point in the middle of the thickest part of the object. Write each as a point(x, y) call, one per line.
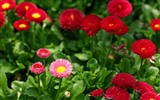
point(61, 68)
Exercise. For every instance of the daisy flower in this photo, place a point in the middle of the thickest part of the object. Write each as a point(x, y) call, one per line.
point(70, 19)
point(61, 68)
point(155, 24)
point(150, 96)
point(23, 7)
point(123, 80)
point(119, 8)
point(91, 24)
point(111, 24)
point(7, 5)
point(143, 87)
point(21, 25)
point(2, 19)
point(36, 15)
point(37, 68)
point(144, 48)
point(43, 53)
point(123, 30)
point(116, 93)
point(97, 92)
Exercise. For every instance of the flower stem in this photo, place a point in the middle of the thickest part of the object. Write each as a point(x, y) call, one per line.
point(141, 67)
point(109, 49)
point(38, 80)
point(57, 94)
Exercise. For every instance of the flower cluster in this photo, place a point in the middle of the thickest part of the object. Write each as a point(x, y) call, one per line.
point(123, 81)
point(73, 19)
point(38, 67)
point(26, 11)
point(144, 48)
point(61, 68)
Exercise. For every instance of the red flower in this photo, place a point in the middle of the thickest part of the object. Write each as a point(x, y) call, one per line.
point(70, 19)
point(7, 5)
point(2, 19)
point(155, 24)
point(144, 48)
point(97, 92)
point(150, 96)
point(111, 23)
point(116, 93)
point(21, 25)
point(143, 87)
point(36, 15)
point(123, 30)
point(43, 53)
point(91, 24)
point(37, 68)
point(123, 80)
point(23, 7)
point(119, 8)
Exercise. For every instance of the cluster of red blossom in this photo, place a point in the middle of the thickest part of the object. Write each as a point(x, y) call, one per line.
point(26, 11)
point(73, 19)
point(123, 81)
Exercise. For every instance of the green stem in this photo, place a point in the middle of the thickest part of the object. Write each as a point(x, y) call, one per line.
point(38, 80)
point(92, 45)
point(141, 67)
point(57, 94)
point(44, 61)
point(110, 45)
point(22, 37)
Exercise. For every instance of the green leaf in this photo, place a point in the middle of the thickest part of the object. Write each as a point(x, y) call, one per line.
point(3, 83)
point(26, 97)
point(7, 67)
point(60, 55)
point(82, 56)
point(16, 85)
point(125, 65)
point(44, 97)
point(12, 96)
point(92, 64)
point(32, 92)
point(152, 71)
point(77, 89)
point(31, 81)
point(80, 97)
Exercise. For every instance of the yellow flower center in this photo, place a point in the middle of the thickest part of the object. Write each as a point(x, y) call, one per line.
point(110, 25)
point(72, 17)
point(143, 49)
point(36, 15)
point(156, 25)
point(22, 25)
point(5, 5)
point(61, 69)
point(151, 99)
point(26, 7)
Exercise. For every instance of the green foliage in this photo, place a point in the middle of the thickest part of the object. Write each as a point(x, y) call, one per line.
point(93, 67)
